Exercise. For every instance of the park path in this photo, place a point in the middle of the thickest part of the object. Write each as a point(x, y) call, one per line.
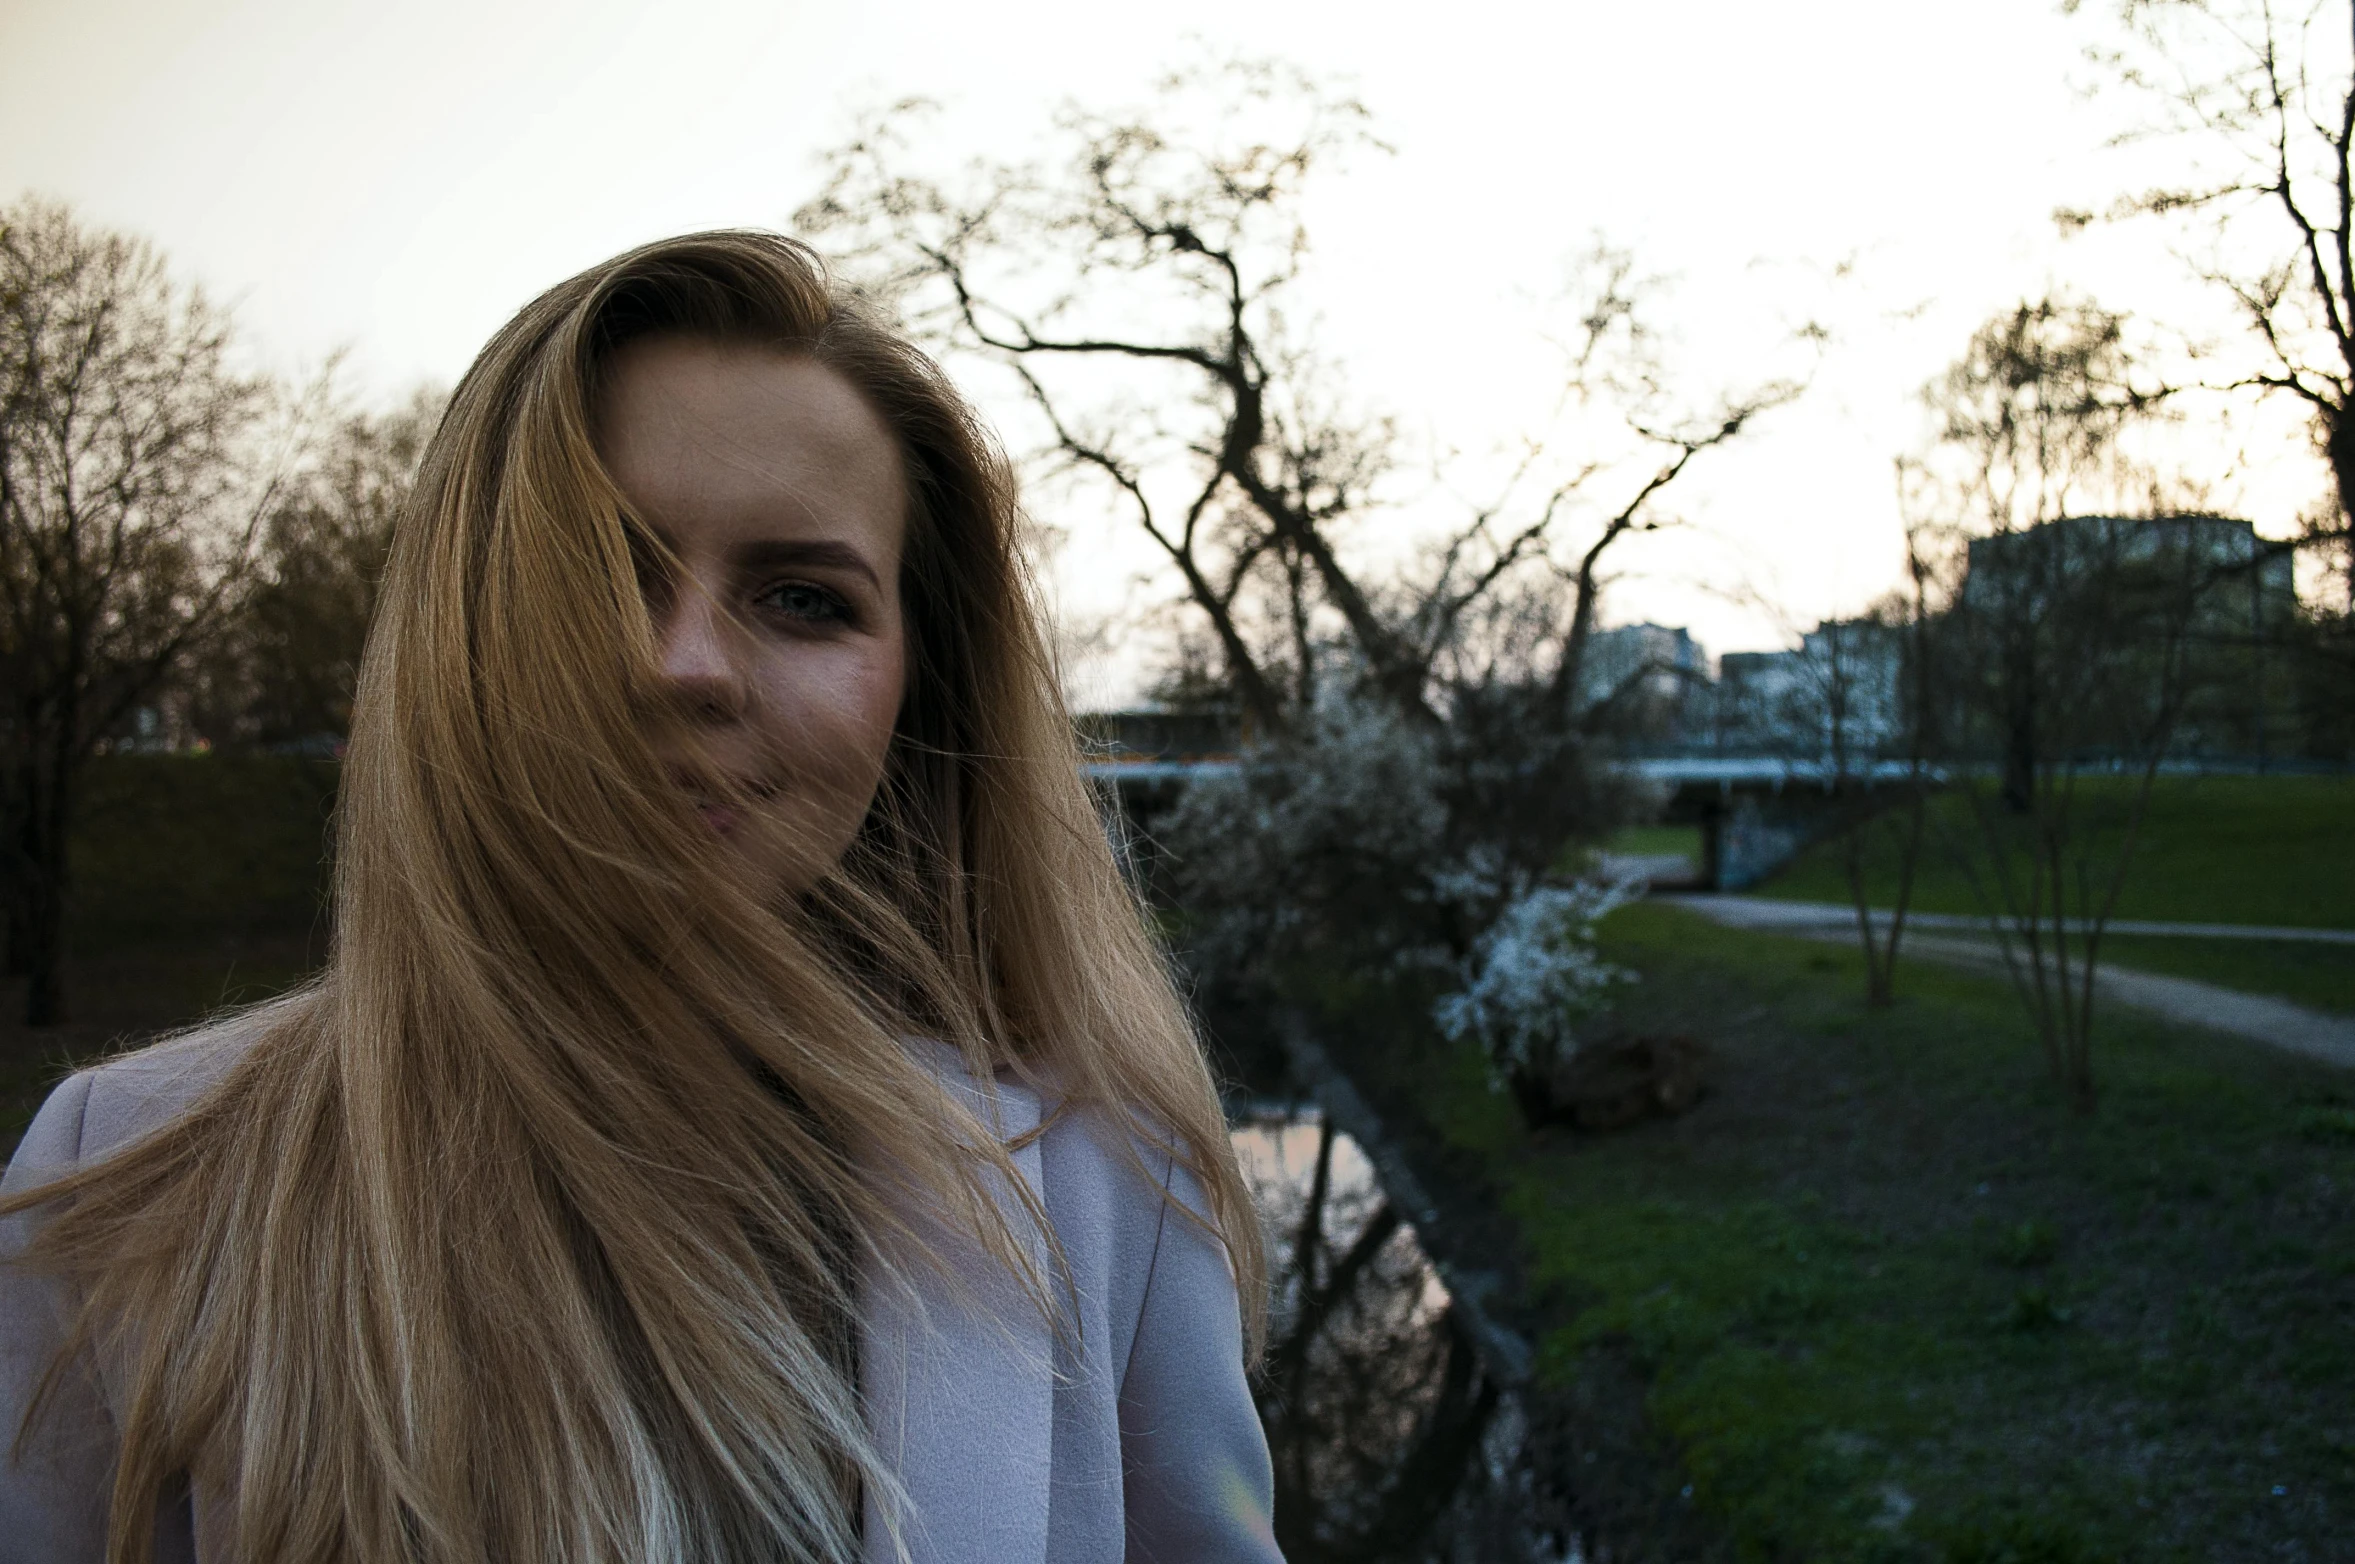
point(1752, 912)
point(2258, 1017)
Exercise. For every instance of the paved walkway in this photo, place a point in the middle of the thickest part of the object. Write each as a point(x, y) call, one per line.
point(1751, 912)
point(2258, 1017)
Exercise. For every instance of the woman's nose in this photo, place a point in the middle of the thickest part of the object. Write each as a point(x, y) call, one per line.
point(699, 658)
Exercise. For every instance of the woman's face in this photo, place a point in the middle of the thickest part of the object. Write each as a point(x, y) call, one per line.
point(779, 494)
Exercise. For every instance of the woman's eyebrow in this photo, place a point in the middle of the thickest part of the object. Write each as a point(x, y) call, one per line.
point(770, 554)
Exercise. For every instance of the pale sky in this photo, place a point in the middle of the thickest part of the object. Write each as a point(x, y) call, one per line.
point(395, 179)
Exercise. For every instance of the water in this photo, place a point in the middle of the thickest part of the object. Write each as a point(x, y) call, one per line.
point(1392, 1438)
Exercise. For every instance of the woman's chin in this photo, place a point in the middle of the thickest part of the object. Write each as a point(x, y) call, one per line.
point(773, 858)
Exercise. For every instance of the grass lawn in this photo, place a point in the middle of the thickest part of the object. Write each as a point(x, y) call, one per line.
point(198, 883)
point(175, 847)
point(2270, 850)
point(1881, 1297)
point(2319, 976)
point(1657, 841)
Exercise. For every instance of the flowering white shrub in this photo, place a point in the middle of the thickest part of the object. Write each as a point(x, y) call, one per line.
point(1533, 976)
point(1334, 826)
point(1369, 844)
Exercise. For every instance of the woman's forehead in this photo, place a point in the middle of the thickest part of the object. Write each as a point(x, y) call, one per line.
point(737, 442)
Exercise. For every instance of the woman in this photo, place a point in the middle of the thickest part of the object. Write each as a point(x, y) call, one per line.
point(744, 1116)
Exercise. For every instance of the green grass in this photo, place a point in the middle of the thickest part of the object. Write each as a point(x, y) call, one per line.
point(198, 882)
point(171, 846)
point(2266, 850)
point(1891, 1302)
point(1657, 841)
point(2316, 975)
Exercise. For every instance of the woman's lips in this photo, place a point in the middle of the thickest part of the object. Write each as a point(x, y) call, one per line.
point(721, 808)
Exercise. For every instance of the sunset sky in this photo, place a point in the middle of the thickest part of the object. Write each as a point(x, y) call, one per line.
point(394, 179)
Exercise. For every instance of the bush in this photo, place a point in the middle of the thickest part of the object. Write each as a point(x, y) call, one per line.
point(1331, 840)
point(1532, 978)
point(1373, 843)
point(1380, 840)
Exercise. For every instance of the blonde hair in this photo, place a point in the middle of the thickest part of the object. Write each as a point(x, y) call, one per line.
point(528, 1231)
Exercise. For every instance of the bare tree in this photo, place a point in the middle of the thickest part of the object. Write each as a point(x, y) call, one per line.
point(2033, 413)
point(1143, 292)
point(2066, 657)
point(2093, 621)
point(280, 671)
point(2030, 423)
point(2260, 97)
point(126, 524)
point(1871, 678)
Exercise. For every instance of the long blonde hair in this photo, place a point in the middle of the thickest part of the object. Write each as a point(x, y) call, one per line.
point(527, 1231)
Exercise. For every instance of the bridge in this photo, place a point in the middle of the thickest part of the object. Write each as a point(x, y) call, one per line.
point(1754, 812)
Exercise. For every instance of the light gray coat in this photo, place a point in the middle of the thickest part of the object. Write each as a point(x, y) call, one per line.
point(1132, 1437)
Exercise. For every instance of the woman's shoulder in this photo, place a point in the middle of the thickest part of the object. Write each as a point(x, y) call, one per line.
point(1114, 1147)
point(142, 1090)
point(1106, 1176)
point(1116, 1184)
point(115, 1101)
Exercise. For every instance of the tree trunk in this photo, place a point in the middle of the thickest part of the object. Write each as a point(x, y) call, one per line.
point(15, 956)
point(2339, 446)
point(1909, 855)
point(1570, 671)
point(2020, 738)
point(1879, 979)
point(44, 943)
point(41, 899)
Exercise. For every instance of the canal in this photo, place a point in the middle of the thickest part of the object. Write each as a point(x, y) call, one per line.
point(1394, 1414)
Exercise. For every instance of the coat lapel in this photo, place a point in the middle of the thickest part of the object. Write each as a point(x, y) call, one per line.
point(959, 1381)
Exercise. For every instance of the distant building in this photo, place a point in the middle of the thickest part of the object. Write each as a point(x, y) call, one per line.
point(1855, 670)
point(1842, 697)
point(1838, 695)
point(2203, 595)
point(2245, 583)
point(1151, 734)
point(1656, 677)
point(1756, 699)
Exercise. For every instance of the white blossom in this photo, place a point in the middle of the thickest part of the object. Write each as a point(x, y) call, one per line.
point(1534, 975)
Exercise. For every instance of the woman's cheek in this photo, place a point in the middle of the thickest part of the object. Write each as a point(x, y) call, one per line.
point(839, 713)
point(874, 692)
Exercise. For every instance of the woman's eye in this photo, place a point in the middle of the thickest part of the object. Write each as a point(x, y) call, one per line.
point(800, 600)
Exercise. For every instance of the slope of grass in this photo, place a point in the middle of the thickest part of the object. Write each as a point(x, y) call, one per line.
point(2319, 976)
point(1890, 1301)
point(176, 846)
point(199, 882)
point(2265, 850)
point(1658, 841)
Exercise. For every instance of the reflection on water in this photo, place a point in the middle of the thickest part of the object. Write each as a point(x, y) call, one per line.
point(1391, 1440)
